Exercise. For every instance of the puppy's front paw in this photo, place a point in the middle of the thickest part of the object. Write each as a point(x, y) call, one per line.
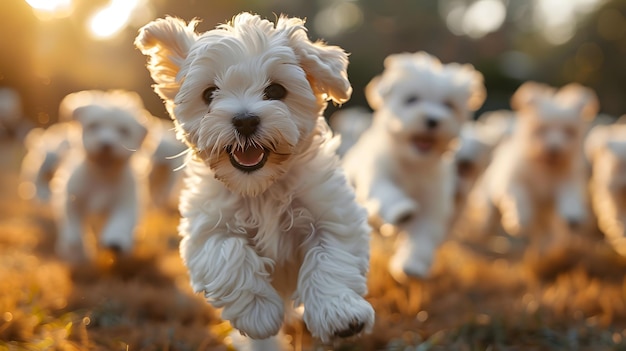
point(400, 212)
point(338, 316)
point(401, 267)
point(261, 318)
point(512, 224)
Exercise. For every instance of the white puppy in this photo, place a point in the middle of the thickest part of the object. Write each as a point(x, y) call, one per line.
point(349, 123)
point(166, 163)
point(605, 148)
point(473, 151)
point(268, 218)
point(539, 173)
point(96, 177)
point(46, 149)
point(12, 122)
point(398, 165)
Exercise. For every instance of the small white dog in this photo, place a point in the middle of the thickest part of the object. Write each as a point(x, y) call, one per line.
point(166, 163)
point(605, 148)
point(12, 121)
point(539, 173)
point(398, 165)
point(268, 218)
point(349, 123)
point(473, 151)
point(96, 178)
point(46, 148)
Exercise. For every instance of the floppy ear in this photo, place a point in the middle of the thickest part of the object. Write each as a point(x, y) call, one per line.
point(373, 93)
point(584, 100)
point(325, 65)
point(166, 41)
point(476, 86)
point(527, 94)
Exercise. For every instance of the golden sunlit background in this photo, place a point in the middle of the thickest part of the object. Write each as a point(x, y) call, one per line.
point(53, 47)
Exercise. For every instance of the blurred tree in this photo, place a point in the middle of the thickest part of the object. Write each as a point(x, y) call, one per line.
point(45, 60)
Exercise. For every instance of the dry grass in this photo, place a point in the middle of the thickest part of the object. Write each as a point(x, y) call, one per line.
point(475, 300)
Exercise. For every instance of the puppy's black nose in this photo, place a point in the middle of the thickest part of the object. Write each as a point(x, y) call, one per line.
point(106, 148)
point(246, 123)
point(431, 122)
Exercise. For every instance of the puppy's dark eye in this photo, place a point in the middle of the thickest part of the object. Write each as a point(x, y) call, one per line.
point(274, 91)
point(124, 132)
point(207, 94)
point(411, 99)
point(92, 126)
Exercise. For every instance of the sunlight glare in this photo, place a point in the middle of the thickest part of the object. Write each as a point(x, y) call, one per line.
point(338, 18)
point(557, 18)
point(49, 9)
point(483, 17)
point(474, 20)
point(112, 19)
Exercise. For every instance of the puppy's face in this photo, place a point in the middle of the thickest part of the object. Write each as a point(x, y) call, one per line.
point(110, 136)
point(473, 151)
point(423, 103)
point(553, 137)
point(552, 122)
point(248, 94)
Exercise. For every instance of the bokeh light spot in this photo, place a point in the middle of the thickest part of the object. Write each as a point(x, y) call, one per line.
point(338, 18)
point(483, 17)
point(26, 190)
point(50, 9)
point(112, 19)
point(611, 25)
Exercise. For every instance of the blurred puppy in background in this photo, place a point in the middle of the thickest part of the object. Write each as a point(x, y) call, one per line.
point(166, 162)
point(401, 166)
point(96, 178)
point(46, 149)
point(605, 148)
point(538, 175)
point(349, 123)
point(473, 151)
point(268, 218)
point(13, 125)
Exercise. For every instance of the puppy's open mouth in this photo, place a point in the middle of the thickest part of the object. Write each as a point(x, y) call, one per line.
point(249, 158)
point(424, 143)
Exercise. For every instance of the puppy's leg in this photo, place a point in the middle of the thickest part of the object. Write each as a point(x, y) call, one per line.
point(44, 175)
point(394, 206)
point(233, 277)
point(516, 210)
point(611, 220)
point(479, 217)
point(118, 231)
point(571, 202)
point(330, 285)
point(416, 246)
point(71, 224)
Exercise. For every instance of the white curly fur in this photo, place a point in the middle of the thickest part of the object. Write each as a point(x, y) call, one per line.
point(95, 177)
point(537, 179)
point(288, 232)
point(401, 166)
point(605, 147)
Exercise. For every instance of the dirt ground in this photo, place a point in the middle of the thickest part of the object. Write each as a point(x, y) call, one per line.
point(480, 297)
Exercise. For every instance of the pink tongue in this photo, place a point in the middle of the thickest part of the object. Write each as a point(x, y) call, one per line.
point(423, 145)
point(250, 156)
